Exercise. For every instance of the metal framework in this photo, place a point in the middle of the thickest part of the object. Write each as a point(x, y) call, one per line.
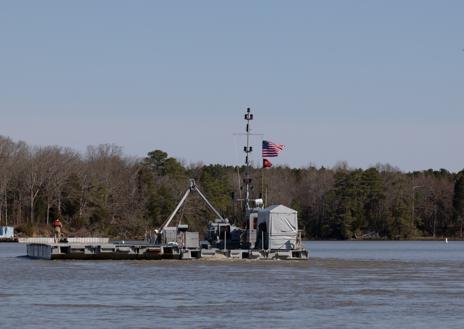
point(247, 149)
point(192, 188)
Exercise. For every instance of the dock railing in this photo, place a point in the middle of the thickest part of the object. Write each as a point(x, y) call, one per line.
point(79, 240)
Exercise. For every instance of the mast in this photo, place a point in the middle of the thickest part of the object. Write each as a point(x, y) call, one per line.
point(247, 149)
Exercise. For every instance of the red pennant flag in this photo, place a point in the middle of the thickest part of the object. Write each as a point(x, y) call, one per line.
point(267, 163)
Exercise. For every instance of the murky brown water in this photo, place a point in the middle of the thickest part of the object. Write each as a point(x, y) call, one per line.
point(344, 284)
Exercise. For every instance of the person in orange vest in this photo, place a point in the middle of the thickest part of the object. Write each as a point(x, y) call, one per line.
point(57, 226)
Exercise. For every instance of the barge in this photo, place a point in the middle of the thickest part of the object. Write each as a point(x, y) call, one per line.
point(265, 233)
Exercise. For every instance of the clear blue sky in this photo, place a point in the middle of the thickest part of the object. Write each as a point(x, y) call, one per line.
point(360, 81)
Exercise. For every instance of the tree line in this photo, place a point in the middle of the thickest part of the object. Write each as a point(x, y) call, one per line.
point(104, 192)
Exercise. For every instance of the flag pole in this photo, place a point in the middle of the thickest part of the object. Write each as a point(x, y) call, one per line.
point(262, 185)
point(262, 176)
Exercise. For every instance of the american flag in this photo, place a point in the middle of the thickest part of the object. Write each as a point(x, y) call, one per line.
point(271, 149)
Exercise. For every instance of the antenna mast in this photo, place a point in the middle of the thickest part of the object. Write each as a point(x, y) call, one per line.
point(247, 149)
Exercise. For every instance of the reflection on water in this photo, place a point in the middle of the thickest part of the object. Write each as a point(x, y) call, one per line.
point(344, 284)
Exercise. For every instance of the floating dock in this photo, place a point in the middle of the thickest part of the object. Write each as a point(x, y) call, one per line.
point(8, 239)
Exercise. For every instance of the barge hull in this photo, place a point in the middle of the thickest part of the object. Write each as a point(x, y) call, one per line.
point(62, 251)
point(101, 252)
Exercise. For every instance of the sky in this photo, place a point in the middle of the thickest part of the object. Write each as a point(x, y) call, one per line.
point(364, 82)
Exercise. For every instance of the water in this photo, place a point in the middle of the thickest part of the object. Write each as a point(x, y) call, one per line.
point(345, 284)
